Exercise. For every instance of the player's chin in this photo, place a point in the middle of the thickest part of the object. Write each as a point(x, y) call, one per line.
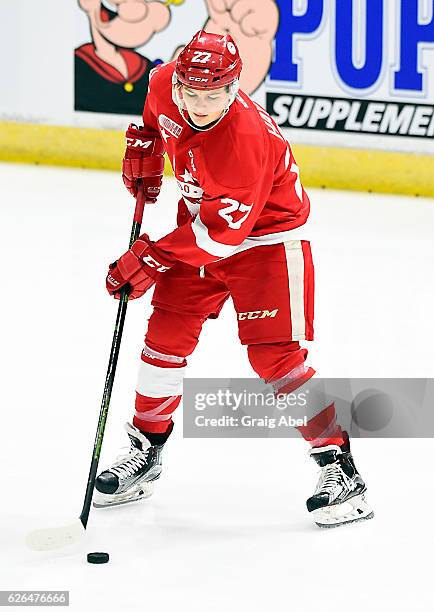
point(201, 119)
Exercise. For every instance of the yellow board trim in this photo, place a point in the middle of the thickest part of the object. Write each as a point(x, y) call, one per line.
point(331, 167)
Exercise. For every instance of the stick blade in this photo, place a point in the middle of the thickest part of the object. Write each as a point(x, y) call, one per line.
point(55, 537)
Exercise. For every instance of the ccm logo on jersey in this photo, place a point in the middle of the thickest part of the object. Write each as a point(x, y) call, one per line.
point(257, 314)
point(153, 263)
point(140, 144)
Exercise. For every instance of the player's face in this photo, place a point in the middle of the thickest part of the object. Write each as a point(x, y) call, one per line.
point(205, 106)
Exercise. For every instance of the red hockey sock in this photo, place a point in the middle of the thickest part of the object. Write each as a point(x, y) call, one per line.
point(323, 429)
point(154, 414)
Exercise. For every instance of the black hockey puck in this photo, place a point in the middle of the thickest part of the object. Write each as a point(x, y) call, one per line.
point(98, 557)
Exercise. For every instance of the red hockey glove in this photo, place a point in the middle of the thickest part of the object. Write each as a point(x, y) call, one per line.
point(144, 160)
point(138, 269)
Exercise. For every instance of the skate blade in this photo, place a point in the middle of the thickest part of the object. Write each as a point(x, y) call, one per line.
point(143, 491)
point(354, 510)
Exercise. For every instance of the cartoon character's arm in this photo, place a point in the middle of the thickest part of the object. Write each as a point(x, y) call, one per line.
point(253, 25)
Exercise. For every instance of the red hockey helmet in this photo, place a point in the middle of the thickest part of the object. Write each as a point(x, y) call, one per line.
point(209, 61)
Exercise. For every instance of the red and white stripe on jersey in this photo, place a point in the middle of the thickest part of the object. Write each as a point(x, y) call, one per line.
point(206, 243)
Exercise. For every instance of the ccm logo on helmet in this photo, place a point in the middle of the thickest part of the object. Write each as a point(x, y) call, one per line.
point(257, 314)
point(198, 79)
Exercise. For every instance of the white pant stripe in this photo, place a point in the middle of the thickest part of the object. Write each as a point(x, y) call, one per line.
point(159, 382)
point(295, 267)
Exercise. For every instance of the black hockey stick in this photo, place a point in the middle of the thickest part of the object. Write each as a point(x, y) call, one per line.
point(57, 537)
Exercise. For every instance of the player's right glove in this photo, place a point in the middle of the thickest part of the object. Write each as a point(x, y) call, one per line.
point(144, 160)
point(138, 269)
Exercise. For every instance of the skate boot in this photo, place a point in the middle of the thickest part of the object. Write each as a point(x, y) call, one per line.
point(132, 475)
point(339, 497)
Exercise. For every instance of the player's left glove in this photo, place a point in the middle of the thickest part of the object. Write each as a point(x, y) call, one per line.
point(138, 269)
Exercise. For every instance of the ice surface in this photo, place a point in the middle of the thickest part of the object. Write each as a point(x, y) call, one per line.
point(53, 538)
point(227, 527)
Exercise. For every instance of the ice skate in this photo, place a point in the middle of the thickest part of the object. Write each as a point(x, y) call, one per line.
point(132, 475)
point(339, 497)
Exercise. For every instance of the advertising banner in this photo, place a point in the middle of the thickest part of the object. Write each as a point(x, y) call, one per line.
point(354, 73)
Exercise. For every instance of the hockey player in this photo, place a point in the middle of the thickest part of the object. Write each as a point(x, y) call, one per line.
point(241, 197)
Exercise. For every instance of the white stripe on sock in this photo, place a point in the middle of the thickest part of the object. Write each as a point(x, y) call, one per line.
point(154, 381)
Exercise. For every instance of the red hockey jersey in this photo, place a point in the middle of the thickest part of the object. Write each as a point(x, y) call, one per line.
point(239, 182)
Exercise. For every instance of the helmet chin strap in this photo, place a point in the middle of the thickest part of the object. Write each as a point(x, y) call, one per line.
point(233, 91)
